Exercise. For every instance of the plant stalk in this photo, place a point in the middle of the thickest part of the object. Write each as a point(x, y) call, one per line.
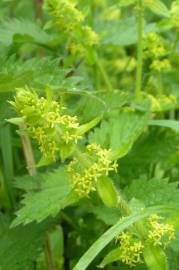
point(30, 161)
point(28, 153)
point(138, 90)
point(38, 8)
point(103, 73)
point(48, 254)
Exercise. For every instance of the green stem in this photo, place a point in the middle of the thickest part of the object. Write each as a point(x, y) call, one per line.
point(48, 254)
point(138, 90)
point(7, 156)
point(103, 73)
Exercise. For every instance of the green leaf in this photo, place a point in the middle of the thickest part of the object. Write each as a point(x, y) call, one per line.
point(122, 32)
point(116, 99)
point(20, 246)
point(154, 147)
point(112, 256)
point(120, 132)
point(157, 7)
point(86, 127)
point(107, 191)
point(109, 216)
point(154, 191)
point(54, 193)
point(16, 121)
point(165, 123)
point(106, 238)
point(126, 3)
point(155, 258)
point(21, 30)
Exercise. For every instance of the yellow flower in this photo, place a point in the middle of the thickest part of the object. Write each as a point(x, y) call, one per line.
point(46, 122)
point(131, 249)
point(160, 233)
point(87, 168)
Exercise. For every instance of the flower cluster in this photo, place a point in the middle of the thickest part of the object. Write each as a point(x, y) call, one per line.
point(155, 49)
point(131, 249)
point(45, 122)
point(160, 234)
point(156, 233)
point(69, 19)
point(162, 102)
point(159, 65)
point(86, 168)
point(64, 14)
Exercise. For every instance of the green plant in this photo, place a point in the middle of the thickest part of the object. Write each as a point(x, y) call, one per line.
point(89, 135)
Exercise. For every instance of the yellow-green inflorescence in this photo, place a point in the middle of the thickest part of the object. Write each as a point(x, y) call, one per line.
point(160, 234)
point(64, 14)
point(86, 168)
point(155, 50)
point(46, 122)
point(161, 102)
point(70, 20)
point(132, 247)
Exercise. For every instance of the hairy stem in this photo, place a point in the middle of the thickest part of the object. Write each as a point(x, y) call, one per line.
point(138, 90)
point(28, 153)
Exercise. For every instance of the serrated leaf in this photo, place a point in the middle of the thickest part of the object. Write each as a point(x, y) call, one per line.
point(116, 99)
point(21, 30)
point(120, 132)
point(122, 32)
point(20, 246)
point(53, 195)
point(157, 7)
point(154, 191)
point(157, 146)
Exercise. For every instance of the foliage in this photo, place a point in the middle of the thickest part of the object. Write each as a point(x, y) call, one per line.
point(89, 134)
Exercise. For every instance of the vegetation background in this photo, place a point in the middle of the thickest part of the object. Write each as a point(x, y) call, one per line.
point(89, 161)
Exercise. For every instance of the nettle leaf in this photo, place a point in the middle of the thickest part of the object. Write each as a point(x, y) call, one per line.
point(153, 147)
point(115, 99)
point(157, 7)
point(154, 191)
point(120, 132)
point(122, 32)
point(34, 72)
point(21, 30)
point(54, 193)
point(20, 246)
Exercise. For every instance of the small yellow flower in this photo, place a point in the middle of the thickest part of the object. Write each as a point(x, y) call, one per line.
point(94, 164)
point(160, 233)
point(131, 249)
point(46, 122)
